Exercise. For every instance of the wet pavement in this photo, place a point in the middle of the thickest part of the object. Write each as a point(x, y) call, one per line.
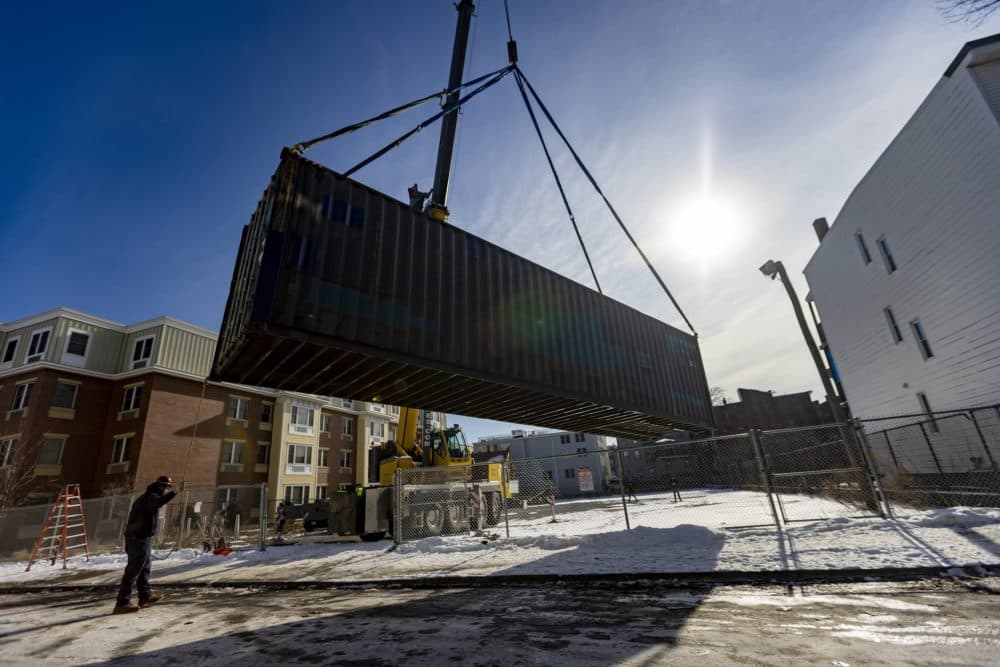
point(929, 622)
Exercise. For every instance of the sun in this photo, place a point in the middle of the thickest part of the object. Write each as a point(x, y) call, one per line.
point(705, 228)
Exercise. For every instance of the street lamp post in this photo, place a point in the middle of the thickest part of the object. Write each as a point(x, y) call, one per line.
point(773, 269)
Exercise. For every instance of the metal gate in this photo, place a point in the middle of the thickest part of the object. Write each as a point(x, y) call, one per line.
point(820, 472)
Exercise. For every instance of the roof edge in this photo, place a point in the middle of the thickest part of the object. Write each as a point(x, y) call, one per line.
point(969, 46)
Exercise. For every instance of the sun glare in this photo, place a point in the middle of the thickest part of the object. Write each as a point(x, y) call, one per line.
point(706, 229)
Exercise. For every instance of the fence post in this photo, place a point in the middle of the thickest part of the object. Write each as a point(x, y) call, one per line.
point(982, 439)
point(503, 495)
point(872, 471)
point(263, 516)
point(621, 486)
point(927, 439)
point(892, 453)
point(397, 506)
point(758, 451)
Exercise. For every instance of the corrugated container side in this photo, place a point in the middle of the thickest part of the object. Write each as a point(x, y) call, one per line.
point(340, 289)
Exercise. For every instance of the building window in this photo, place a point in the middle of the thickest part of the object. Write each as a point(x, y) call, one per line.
point(866, 256)
point(119, 453)
point(132, 397)
point(321, 492)
point(297, 494)
point(347, 403)
point(77, 344)
point(142, 353)
point(232, 452)
point(347, 427)
point(570, 473)
point(51, 451)
point(65, 396)
point(238, 408)
point(39, 344)
point(324, 423)
point(897, 335)
point(7, 449)
point(926, 407)
point(580, 437)
point(300, 454)
point(883, 247)
point(265, 413)
point(226, 496)
point(377, 429)
point(22, 394)
point(9, 350)
point(323, 458)
point(263, 453)
point(922, 343)
point(581, 451)
point(564, 439)
point(302, 420)
point(394, 410)
point(345, 458)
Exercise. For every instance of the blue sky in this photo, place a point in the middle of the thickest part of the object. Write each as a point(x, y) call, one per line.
point(138, 137)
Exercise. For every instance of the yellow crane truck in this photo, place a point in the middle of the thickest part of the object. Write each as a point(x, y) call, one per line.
point(443, 491)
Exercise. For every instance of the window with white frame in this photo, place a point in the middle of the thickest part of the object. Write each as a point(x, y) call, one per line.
point(345, 458)
point(321, 492)
point(923, 344)
point(263, 453)
point(38, 345)
point(392, 431)
point(347, 403)
point(9, 350)
point(883, 247)
point(51, 451)
point(580, 437)
point(926, 407)
point(142, 352)
point(564, 439)
point(297, 494)
point(120, 451)
point(302, 420)
point(569, 473)
point(394, 410)
point(65, 396)
point(323, 458)
point(232, 452)
point(324, 423)
point(22, 394)
point(346, 427)
point(890, 318)
point(131, 398)
point(300, 454)
point(866, 256)
point(238, 408)
point(581, 451)
point(7, 448)
point(377, 428)
point(266, 410)
point(77, 346)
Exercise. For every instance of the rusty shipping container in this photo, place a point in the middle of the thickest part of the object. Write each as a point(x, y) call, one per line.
point(341, 290)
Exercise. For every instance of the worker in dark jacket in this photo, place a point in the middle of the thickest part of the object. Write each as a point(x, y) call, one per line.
point(139, 531)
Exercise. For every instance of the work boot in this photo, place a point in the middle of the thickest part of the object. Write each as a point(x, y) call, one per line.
point(152, 599)
point(126, 608)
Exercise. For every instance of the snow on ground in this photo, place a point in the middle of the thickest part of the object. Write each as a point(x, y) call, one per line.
point(702, 533)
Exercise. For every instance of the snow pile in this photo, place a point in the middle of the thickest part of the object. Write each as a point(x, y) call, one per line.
point(700, 534)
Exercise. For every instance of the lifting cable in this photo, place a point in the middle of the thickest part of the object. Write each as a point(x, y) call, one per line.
point(555, 174)
point(303, 146)
point(447, 110)
point(520, 77)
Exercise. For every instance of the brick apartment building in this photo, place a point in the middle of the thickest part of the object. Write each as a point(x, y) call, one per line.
point(764, 410)
point(112, 406)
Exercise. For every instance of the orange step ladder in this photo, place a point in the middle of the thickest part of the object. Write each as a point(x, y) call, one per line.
point(64, 529)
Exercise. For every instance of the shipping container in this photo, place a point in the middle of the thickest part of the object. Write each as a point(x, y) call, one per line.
point(341, 290)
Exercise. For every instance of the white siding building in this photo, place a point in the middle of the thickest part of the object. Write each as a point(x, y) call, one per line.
point(907, 279)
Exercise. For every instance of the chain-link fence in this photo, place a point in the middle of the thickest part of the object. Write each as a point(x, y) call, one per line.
point(941, 459)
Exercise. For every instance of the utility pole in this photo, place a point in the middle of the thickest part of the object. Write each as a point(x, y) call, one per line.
point(773, 270)
point(437, 208)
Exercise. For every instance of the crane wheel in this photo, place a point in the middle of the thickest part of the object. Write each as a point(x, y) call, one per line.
point(458, 519)
point(433, 520)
